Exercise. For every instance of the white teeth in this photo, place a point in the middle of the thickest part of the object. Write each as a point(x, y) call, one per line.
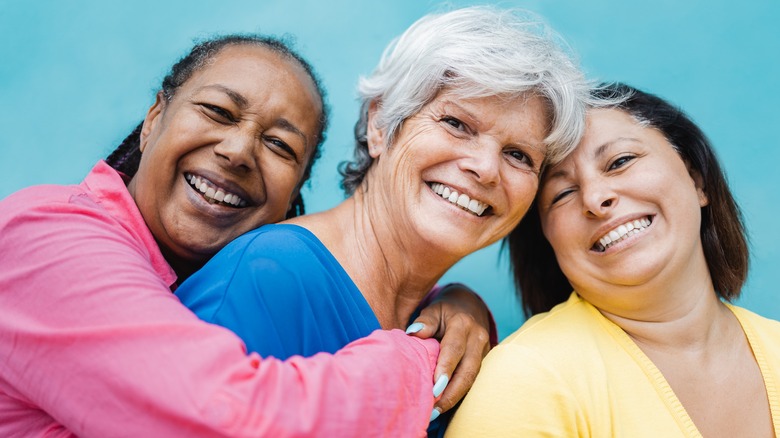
point(463, 200)
point(460, 199)
point(621, 232)
point(213, 193)
point(474, 206)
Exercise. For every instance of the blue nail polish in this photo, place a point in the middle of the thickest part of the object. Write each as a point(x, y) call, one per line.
point(434, 415)
point(414, 328)
point(441, 383)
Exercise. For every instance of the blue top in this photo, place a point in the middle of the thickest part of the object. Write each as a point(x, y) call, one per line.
point(281, 291)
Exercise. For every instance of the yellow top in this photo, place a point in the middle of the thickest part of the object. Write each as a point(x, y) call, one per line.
point(571, 372)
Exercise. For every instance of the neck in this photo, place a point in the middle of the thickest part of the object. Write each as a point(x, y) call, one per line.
point(674, 312)
point(183, 268)
point(393, 270)
point(697, 325)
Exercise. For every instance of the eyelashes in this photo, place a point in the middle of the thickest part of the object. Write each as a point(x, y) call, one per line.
point(219, 114)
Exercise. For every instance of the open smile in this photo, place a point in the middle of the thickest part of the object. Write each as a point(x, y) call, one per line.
point(213, 193)
point(621, 233)
point(462, 200)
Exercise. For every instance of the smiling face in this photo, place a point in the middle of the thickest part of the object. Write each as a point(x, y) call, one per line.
point(462, 172)
point(623, 212)
point(226, 153)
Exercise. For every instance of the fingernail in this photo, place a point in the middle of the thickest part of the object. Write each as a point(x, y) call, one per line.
point(435, 414)
point(441, 383)
point(414, 328)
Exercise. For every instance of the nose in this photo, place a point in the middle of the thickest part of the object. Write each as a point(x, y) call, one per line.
point(237, 150)
point(598, 198)
point(484, 162)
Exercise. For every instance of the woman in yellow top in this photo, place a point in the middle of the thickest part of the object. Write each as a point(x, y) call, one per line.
point(647, 234)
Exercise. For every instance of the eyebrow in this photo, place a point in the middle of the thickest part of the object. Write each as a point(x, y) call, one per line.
point(446, 102)
point(241, 101)
point(236, 97)
point(601, 150)
point(288, 126)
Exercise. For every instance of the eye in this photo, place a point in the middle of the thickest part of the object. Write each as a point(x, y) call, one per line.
point(455, 123)
point(281, 148)
point(561, 195)
point(218, 114)
point(620, 162)
point(520, 157)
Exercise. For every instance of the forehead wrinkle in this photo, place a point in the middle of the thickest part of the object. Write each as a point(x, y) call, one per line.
point(555, 174)
point(235, 96)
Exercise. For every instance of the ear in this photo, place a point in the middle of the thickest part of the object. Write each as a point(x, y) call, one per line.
point(698, 182)
point(374, 136)
point(151, 119)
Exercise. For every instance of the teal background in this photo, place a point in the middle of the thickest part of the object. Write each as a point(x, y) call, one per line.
point(77, 76)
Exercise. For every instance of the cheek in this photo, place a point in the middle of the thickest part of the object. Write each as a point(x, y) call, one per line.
point(281, 185)
point(522, 193)
point(554, 230)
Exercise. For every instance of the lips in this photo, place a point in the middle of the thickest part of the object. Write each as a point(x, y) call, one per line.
point(462, 200)
point(622, 232)
point(213, 193)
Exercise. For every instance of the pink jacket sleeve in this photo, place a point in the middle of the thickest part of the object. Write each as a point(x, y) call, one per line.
point(92, 341)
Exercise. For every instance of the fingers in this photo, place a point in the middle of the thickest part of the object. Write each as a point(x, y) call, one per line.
point(426, 325)
point(460, 383)
point(453, 348)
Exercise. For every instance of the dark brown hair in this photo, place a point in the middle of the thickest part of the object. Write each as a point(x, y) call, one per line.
point(539, 280)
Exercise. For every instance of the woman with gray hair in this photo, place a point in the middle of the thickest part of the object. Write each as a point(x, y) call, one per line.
point(456, 122)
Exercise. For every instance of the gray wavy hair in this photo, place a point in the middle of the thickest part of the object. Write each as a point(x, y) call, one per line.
point(477, 51)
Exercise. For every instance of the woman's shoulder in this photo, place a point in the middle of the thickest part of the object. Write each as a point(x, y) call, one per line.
point(58, 202)
point(574, 318)
point(281, 249)
point(763, 324)
point(35, 197)
point(569, 333)
point(756, 325)
point(283, 239)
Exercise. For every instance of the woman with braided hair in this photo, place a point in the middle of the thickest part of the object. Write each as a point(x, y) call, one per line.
point(92, 339)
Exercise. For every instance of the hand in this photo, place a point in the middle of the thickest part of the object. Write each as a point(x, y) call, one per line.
point(461, 321)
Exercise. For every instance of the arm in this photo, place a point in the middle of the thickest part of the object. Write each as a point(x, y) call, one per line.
point(91, 335)
point(459, 318)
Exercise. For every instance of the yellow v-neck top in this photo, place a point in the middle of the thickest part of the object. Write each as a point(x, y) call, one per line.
point(571, 372)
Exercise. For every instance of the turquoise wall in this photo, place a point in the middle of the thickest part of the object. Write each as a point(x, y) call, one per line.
point(76, 76)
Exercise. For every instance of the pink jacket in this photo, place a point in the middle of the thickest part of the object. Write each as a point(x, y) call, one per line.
point(93, 343)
